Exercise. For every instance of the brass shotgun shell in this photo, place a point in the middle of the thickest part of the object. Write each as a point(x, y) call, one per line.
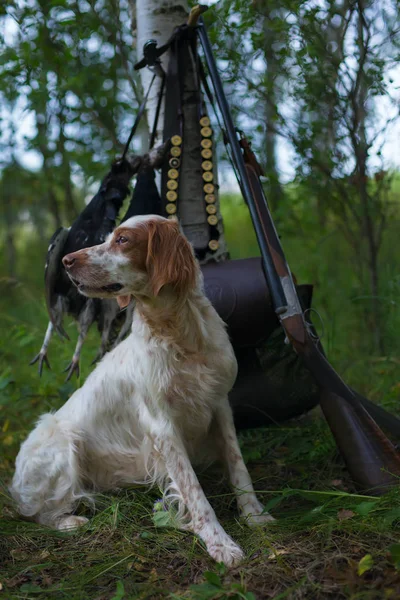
point(208, 188)
point(170, 208)
point(206, 132)
point(176, 151)
point(174, 162)
point(173, 174)
point(206, 153)
point(207, 165)
point(172, 184)
point(213, 245)
point(171, 196)
point(206, 143)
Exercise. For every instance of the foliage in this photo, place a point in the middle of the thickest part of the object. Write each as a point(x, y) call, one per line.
point(303, 78)
point(328, 541)
point(324, 530)
point(68, 65)
point(67, 71)
point(313, 77)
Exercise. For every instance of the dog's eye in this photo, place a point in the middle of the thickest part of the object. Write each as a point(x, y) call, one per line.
point(121, 240)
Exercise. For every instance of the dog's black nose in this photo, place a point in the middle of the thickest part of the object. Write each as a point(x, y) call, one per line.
point(68, 261)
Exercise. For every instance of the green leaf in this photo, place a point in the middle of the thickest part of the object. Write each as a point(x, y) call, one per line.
point(205, 591)
point(213, 578)
point(120, 593)
point(394, 550)
point(272, 503)
point(30, 588)
point(162, 519)
point(26, 340)
point(391, 515)
point(67, 22)
point(365, 508)
point(221, 568)
point(365, 564)
point(313, 496)
point(313, 514)
point(4, 381)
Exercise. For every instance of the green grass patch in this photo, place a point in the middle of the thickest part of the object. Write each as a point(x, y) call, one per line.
point(328, 542)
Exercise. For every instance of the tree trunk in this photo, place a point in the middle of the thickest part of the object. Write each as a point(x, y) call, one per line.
point(156, 19)
point(11, 253)
point(53, 203)
point(70, 206)
point(275, 194)
point(48, 182)
point(361, 153)
point(330, 43)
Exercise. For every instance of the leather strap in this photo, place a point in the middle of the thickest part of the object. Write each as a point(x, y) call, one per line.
point(173, 118)
point(157, 115)
point(202, 111)
point(138, 117)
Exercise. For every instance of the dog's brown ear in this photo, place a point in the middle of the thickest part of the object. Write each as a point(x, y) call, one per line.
point(170, 259)
point(123, 301)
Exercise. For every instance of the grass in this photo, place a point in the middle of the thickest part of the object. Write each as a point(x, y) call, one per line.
point(328, 542)
point(316, 549)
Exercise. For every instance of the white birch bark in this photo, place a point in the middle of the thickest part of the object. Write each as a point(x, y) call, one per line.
point(156, 19)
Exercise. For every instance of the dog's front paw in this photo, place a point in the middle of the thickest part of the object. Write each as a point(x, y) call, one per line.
point(254, 515)
point(71, 522)
point(254, 520)
point(226, 551)
point(220, 546)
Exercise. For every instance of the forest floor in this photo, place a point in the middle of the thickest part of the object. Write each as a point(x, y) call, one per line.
point(327, 541)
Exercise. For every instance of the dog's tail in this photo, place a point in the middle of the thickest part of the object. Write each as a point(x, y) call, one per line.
point(46, 482)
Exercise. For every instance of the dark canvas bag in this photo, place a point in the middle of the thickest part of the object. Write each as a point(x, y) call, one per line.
point(272, 384)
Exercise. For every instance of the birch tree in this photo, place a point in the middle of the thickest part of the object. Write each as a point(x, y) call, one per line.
point(156, 19)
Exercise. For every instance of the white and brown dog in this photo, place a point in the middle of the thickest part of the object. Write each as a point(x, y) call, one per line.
point(155, 405)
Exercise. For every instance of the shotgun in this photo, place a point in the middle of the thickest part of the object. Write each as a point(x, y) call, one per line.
point(370, 457)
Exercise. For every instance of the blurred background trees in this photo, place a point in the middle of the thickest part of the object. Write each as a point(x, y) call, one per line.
point(320, 76)
point(67, 74)
point(315, 86)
